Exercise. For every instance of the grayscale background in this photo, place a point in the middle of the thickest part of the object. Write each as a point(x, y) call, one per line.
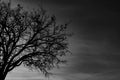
point(95, 45)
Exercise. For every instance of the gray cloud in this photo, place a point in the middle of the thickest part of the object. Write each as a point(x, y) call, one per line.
point(96, 58)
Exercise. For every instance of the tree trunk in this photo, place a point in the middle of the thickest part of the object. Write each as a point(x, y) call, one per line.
point(2, 75)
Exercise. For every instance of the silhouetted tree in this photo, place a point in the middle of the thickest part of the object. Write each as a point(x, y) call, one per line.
point(30, 38)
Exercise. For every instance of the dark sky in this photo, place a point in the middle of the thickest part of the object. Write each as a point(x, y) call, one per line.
point(96, 41)
point(97, 20)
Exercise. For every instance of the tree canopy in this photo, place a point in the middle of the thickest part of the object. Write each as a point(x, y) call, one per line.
point(32, 38)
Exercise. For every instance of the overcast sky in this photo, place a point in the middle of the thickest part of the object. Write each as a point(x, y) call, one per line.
point(95, 44)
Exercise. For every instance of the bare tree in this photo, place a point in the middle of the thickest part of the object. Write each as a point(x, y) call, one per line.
point(30, 38)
